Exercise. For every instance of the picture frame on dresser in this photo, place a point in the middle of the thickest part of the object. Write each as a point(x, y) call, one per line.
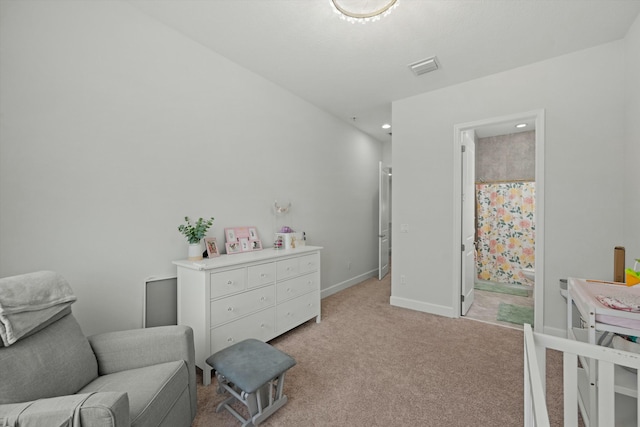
point(212, 247)
point(253, 233)
point(242, 239)
point(234, 248)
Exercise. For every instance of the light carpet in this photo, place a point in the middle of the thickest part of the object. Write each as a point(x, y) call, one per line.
point(371, 364)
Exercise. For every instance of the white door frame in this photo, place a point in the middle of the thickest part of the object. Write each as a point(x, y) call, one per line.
point(538, 291)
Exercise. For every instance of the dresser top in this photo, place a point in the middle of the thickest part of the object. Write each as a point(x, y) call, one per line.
point(244, 257)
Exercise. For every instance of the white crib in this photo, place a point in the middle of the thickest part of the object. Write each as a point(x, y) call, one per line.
point(605, 358)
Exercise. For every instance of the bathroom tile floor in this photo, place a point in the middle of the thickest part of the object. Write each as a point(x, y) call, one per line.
point(485, 306)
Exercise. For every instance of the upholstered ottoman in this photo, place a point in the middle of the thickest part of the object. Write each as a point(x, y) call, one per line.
point(253, 373)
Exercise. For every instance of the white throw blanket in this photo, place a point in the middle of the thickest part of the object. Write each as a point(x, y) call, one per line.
point(29, 300)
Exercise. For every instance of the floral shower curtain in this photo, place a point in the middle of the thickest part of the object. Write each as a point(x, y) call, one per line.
point(505, 231)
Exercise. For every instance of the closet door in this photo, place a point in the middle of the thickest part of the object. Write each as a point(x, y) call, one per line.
point(383, 222)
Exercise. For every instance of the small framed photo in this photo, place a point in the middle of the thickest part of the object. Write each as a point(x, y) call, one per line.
point(231, 234)
point(212, 247)
point(256, 245)
point(234, 248)
point(253, 233)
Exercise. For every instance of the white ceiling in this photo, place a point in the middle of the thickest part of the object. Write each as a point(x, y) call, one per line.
point(355, 70)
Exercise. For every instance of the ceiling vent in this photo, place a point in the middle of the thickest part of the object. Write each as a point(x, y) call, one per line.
point(426, 65)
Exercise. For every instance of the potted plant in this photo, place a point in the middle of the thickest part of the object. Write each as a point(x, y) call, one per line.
point(195, 233)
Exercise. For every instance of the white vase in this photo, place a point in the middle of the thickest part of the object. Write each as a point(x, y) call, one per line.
point(195, 251)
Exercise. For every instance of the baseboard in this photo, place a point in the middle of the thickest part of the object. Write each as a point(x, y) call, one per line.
point(348, 283)
point(421, 306)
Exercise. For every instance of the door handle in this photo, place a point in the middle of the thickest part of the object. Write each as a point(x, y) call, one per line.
point(382, 235)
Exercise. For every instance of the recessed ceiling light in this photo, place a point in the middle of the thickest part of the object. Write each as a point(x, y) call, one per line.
point(386, 126)
point(521, 125)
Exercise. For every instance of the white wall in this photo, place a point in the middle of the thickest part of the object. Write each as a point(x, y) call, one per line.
point(386, 154)
point(631, 207)
point(582, 94)
point(114, 127)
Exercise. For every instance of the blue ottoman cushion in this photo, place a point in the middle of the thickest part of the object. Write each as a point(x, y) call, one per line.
point(250, 364)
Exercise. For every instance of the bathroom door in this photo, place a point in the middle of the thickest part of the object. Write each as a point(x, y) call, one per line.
point(468, 262)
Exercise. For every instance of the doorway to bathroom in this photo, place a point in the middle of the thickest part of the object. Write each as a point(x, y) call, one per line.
point(500, 219)
point(504, 226)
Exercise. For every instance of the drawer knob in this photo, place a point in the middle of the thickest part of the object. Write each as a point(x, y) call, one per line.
point(262, 325)
point(230, 282)
point(230, 309)
point(289, 313)
point(229, 339)
point(288, 289)
point(263, 299)
point(263, 275)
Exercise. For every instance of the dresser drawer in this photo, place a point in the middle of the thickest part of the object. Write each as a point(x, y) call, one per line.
point(263, 274)
point(297, 286)
point(227, 282)
point(309, 263)
point(235, 306)
point(296, 311)
point(288, 268)
point(259, 325)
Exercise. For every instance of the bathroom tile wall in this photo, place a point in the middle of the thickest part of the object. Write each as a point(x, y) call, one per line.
point(506, 157)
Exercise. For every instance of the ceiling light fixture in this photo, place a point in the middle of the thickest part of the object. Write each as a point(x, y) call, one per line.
point(386, 126)
point(363, 11)
point(521, 125)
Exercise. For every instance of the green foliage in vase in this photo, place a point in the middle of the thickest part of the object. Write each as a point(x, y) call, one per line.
point(195, 232)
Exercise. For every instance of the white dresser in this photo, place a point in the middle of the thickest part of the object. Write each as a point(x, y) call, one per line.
point(259, 295)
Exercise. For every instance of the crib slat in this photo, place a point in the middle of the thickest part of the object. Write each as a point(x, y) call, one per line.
point(570, 372)
point(638, 400)
point(534, 383)
point(606, 394)
point(528, 398)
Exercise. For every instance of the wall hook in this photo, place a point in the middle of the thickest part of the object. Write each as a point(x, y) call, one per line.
point(281, 209)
